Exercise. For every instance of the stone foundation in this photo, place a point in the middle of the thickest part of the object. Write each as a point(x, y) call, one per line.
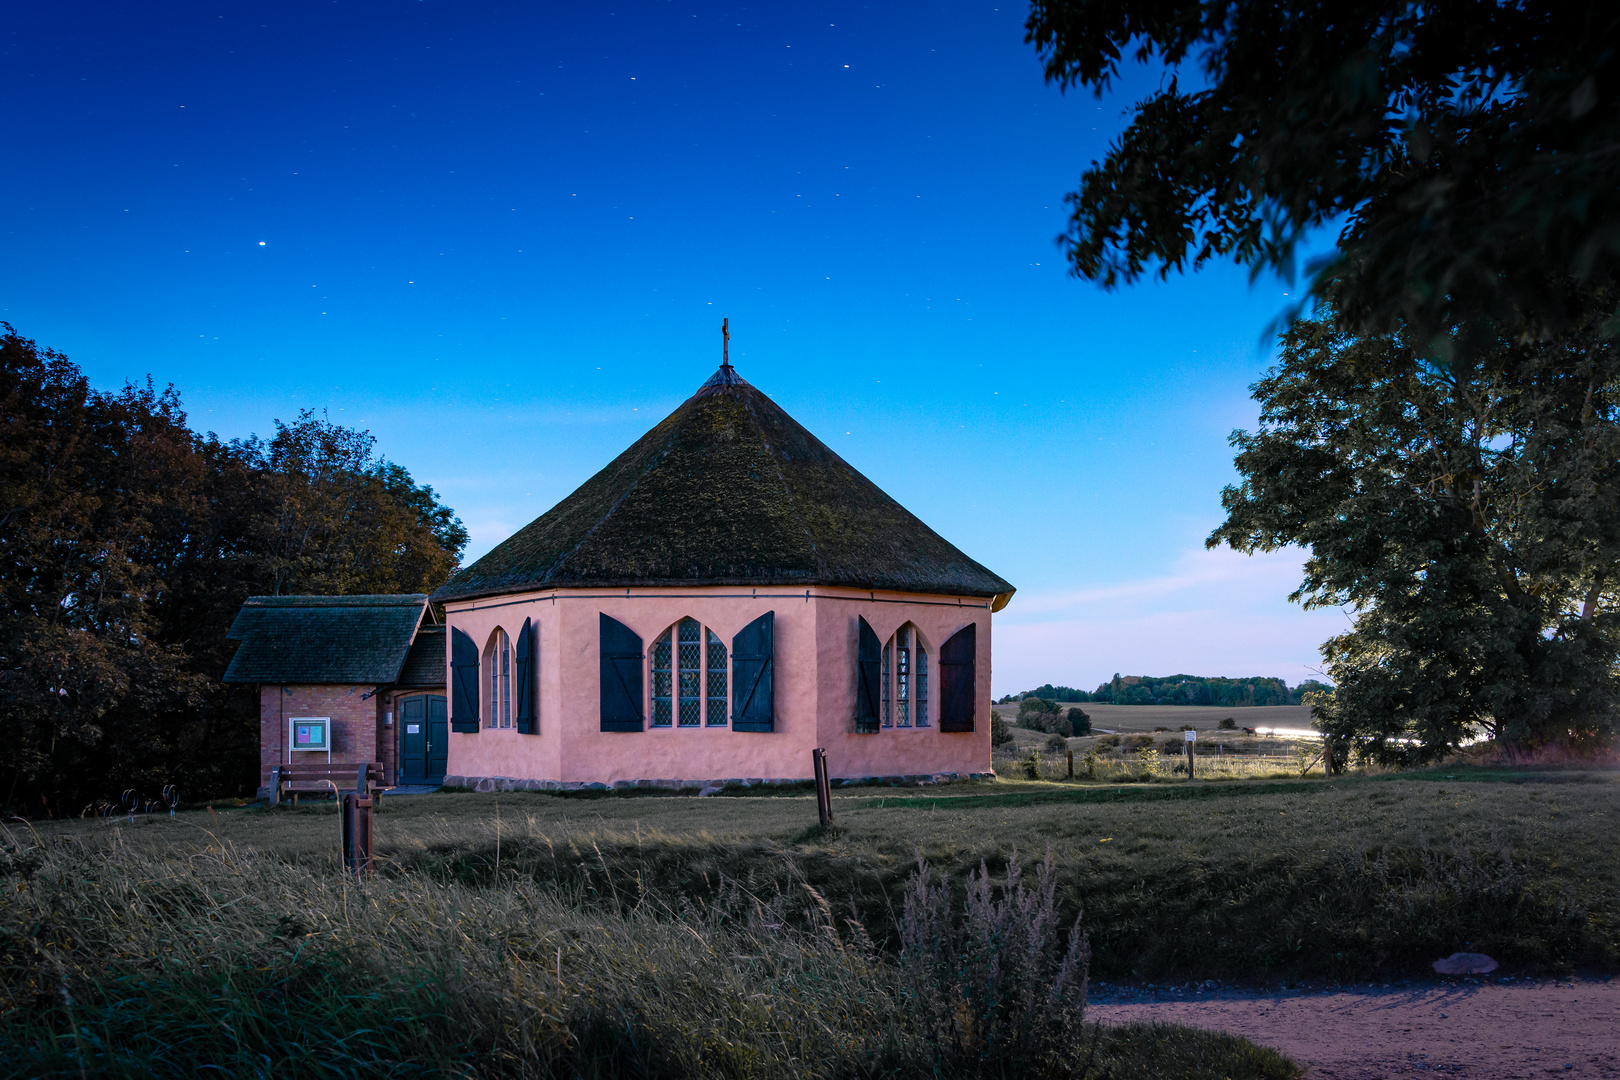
point(702, 787)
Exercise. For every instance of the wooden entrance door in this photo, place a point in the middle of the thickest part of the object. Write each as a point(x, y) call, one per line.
point(424, 738)
point(438, 743)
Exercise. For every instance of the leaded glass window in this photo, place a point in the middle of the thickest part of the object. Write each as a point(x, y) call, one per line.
point(920, 678)
point(902, 678)
point(662, 654)
point(888, 690)
point(691, 671)
point(500, 681)
point(715, 710)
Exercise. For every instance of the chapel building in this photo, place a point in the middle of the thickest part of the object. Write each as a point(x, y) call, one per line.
point(722, 598)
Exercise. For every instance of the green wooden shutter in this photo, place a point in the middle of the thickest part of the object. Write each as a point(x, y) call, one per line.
point(621, 676)
point(463, 683)
point(525, 671)
point(753, 679)
point(957, 690)
point(868, 651)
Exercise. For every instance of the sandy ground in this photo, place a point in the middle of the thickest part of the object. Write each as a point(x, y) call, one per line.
point(1469, 1028)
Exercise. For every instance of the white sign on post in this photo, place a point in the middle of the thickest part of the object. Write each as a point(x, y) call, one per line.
point(1192, 736)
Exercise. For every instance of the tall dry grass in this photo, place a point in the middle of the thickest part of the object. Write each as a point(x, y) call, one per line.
point(124, 957)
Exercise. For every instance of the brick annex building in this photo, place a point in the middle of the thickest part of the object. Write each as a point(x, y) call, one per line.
point(723, 597)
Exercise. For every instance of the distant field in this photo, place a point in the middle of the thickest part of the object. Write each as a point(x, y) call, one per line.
point(1139, 718)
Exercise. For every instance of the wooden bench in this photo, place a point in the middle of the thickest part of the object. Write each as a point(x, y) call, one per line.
point(361, 777)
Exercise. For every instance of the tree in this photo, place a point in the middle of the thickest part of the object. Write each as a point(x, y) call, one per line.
point(1465, 510)
point(331, 517)
point(1057, 693)
point(1079, 721)
point(1470, 150)
point(1000, 731)
point(127, 544)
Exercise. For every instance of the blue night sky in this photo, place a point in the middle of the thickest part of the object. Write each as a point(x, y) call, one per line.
point(502, 236)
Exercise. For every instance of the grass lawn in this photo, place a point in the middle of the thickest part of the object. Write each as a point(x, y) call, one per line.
point(534, 934)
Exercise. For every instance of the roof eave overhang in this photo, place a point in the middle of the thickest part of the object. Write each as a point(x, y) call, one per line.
point(445, 596)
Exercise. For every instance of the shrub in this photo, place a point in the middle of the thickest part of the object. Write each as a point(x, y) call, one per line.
point(997, 986)
point(1038, 714)
point(1057, 743)
point(1032, 765)
point(1079, 722)
point(1000, 731)
point(1228, 724)
point(1147, 762)
point(1033, 707)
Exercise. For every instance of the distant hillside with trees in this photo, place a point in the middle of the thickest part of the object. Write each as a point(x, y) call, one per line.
point(1181, 690)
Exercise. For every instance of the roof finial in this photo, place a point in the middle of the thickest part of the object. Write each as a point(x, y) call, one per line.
point(725, 343)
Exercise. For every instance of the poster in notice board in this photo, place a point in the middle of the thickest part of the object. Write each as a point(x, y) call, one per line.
point(311, 733)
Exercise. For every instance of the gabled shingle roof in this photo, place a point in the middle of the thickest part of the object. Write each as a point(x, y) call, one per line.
point(424, 665)
point(323, 639)
point(728, 490)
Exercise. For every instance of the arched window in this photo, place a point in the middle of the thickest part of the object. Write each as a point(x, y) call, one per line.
point(904, 676)
point(888, 683)
point(689, 677)
point(714, 713)
point(919, 680)
point(691, 672)
point(498, 663)
point(662, 655)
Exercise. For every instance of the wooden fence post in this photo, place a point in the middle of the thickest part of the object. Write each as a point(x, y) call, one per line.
point(818, 758)
point(1071, 764)
point(357, 831)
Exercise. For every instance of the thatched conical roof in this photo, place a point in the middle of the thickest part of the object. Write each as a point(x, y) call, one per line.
point(728, 490)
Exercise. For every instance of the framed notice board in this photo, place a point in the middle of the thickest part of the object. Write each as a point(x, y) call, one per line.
point(310, 734)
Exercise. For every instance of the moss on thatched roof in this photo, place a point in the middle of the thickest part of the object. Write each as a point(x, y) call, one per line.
point(424, 664)
point(728, 490)
point(323, 639)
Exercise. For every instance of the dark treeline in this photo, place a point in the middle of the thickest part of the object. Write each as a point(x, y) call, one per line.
point(127, 544)
point(1183, 690)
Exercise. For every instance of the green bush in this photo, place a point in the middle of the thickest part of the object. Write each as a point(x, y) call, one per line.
point(1000, 731)
point(1038, 714)
point(1057, 743)
point(1079, 722)
point(1228, 724)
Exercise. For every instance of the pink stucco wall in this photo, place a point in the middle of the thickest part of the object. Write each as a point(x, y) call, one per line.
point(815, 637)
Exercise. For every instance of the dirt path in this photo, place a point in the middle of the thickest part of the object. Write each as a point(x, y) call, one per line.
point(1473, 1029)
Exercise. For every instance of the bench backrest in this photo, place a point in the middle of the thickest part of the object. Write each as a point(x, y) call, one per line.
point(345, 776)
